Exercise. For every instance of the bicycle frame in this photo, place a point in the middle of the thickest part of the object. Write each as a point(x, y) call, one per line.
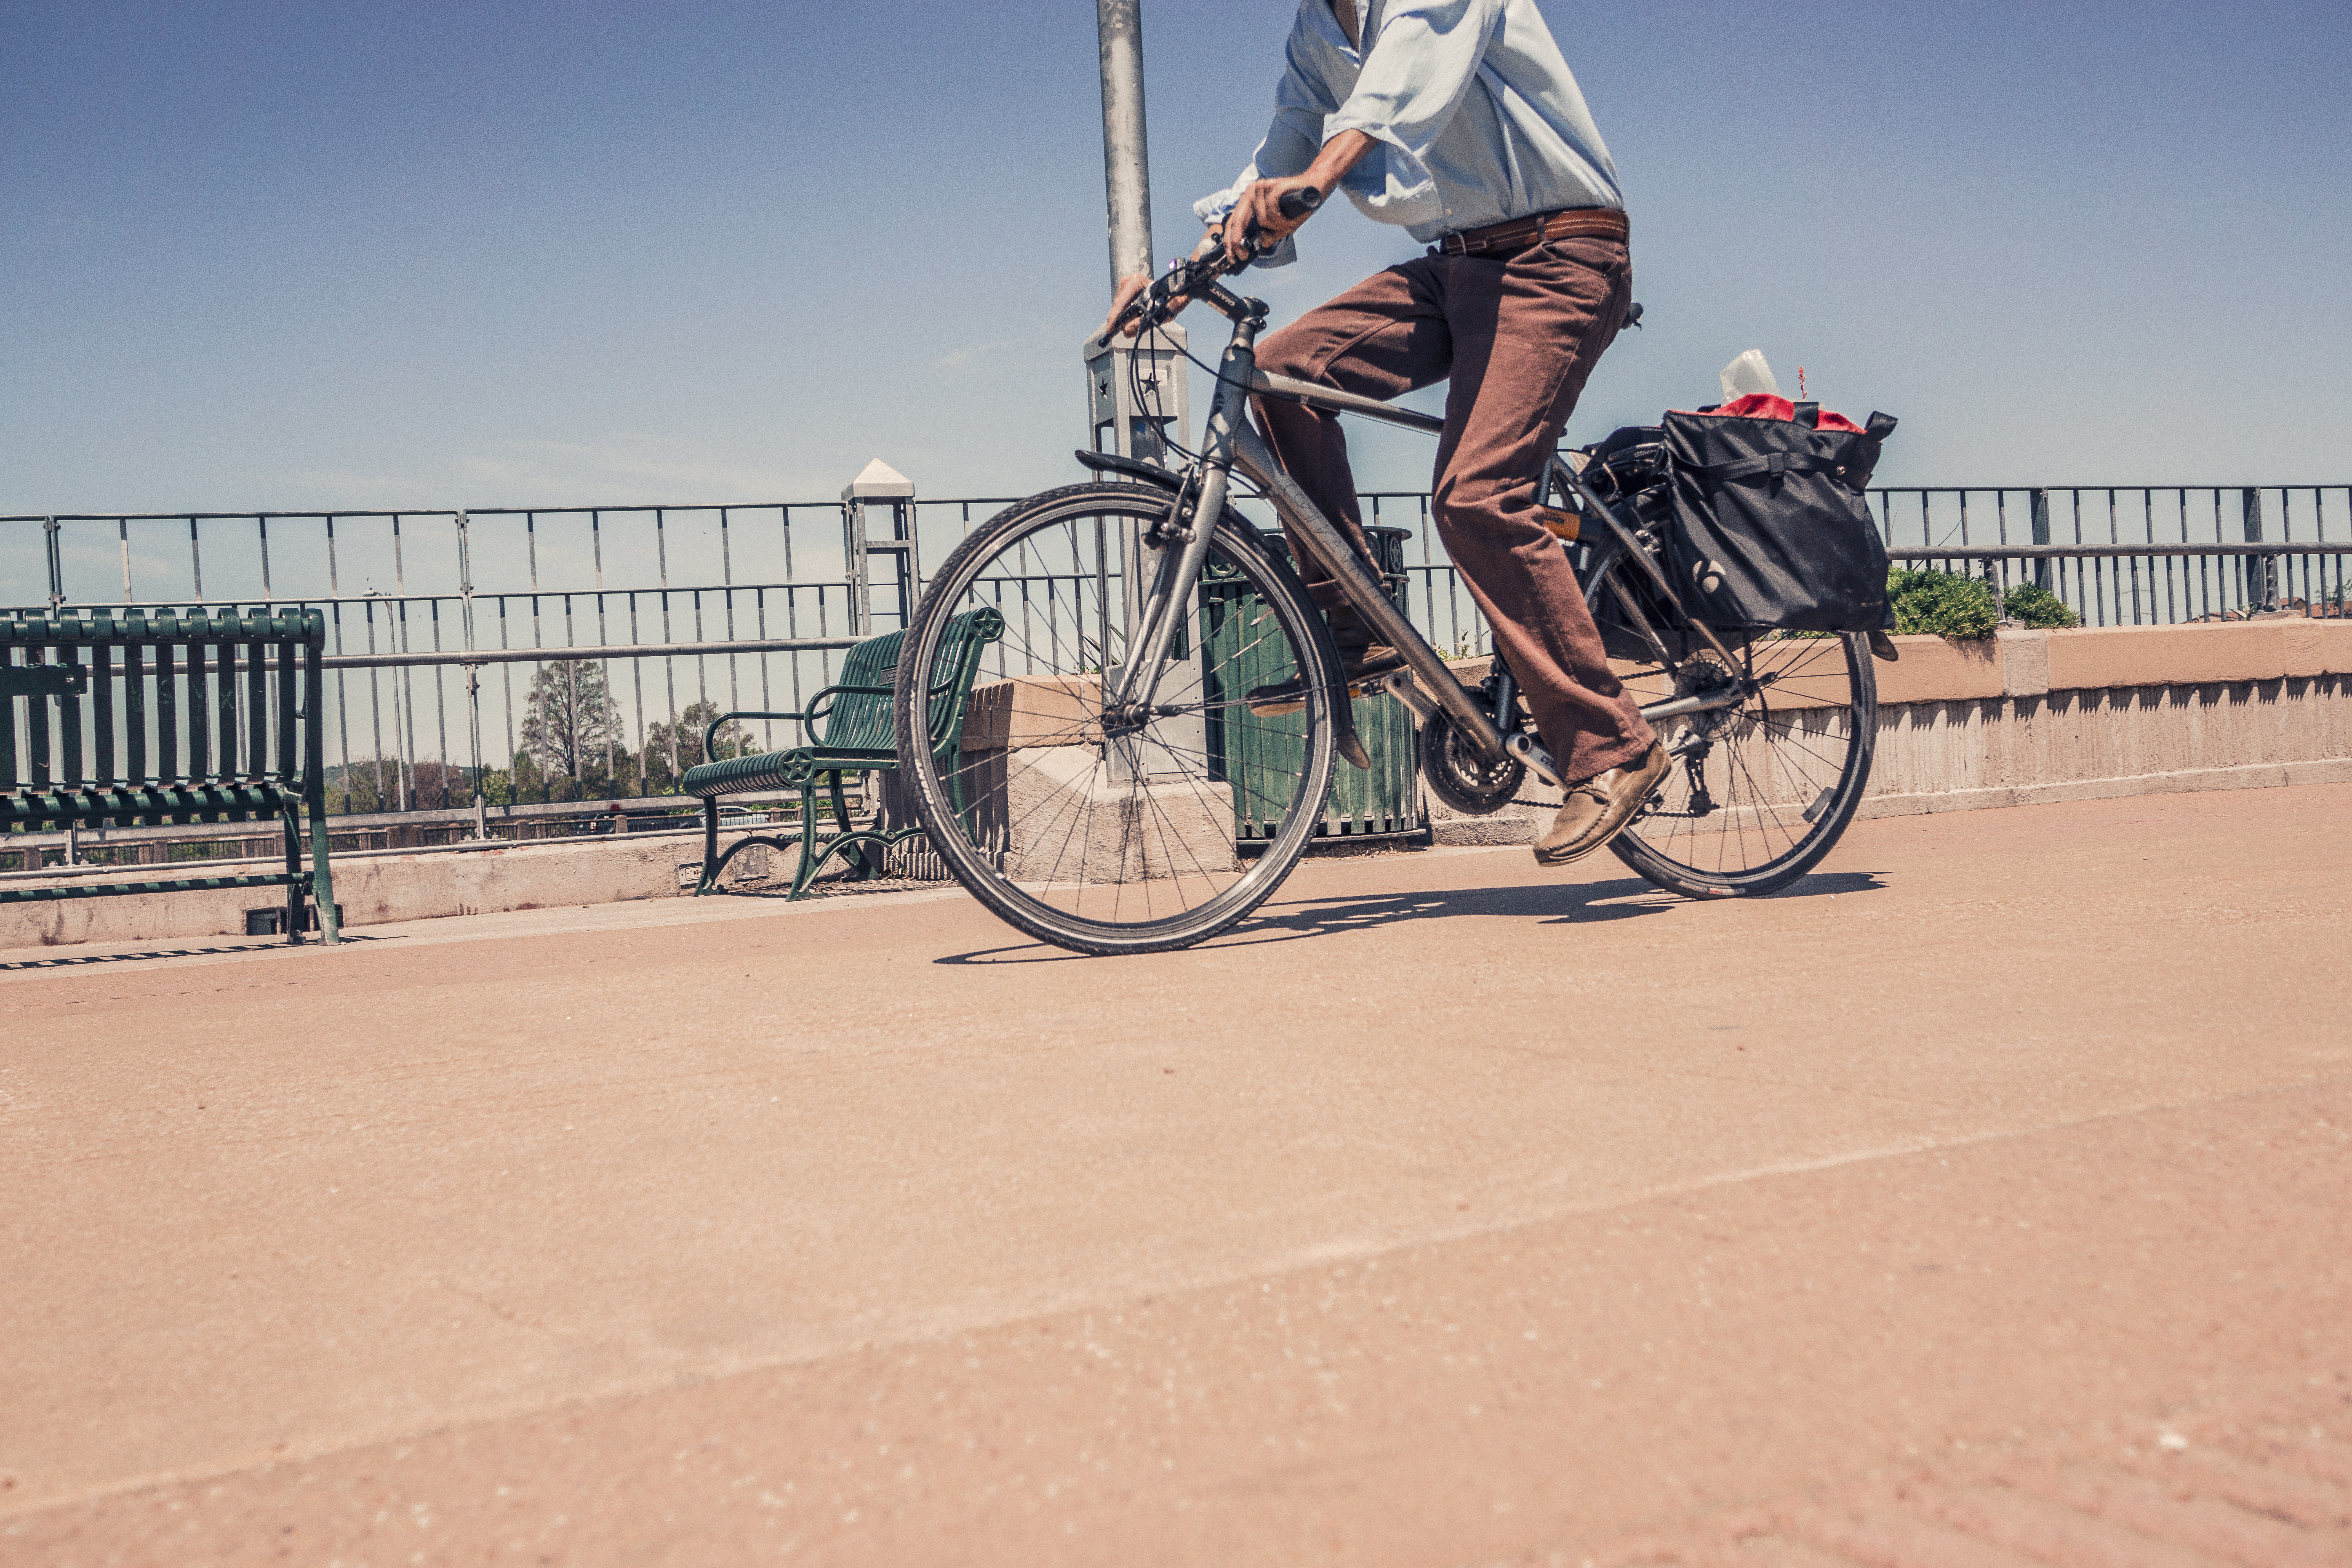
point(1232, 439)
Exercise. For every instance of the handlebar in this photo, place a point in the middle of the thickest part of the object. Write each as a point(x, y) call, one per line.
point(1199, 274)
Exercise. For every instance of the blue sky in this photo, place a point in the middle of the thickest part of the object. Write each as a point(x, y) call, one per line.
point(326, 255)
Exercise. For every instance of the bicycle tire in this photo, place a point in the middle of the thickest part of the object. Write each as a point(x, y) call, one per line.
point(1774, 767)
point(1084, 899)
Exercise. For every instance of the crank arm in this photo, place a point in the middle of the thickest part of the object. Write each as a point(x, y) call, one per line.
point(1518, 745)
point(1524, 747)
point(1401, 685)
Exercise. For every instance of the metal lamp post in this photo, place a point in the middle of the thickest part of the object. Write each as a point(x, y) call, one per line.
point(1135, 387)
point(1135, 390)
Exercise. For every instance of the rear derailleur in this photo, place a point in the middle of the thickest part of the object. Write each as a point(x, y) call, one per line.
point(1694, 735)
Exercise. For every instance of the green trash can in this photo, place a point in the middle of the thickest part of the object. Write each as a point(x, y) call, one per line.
point(1259, 757)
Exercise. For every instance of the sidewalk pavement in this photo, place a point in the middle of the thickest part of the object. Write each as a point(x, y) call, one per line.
point(1982, 1203)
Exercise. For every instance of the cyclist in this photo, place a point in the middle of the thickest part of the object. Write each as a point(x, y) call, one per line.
point(1459, 121)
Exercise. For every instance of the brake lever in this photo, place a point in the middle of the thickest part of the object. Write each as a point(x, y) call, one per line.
point(1194, 276)
point(1144, 306)
point(1197, 277)
point(1184, 279)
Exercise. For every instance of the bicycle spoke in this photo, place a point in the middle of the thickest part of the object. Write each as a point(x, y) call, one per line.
point(1785, 766)
point(1111, 831)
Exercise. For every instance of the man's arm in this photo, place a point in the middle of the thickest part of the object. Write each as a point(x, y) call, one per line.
point(1302, 99)
point(1418, 70)
point(1260, 203)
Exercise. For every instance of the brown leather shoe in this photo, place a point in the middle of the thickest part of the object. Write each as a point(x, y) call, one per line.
point(1598, 808)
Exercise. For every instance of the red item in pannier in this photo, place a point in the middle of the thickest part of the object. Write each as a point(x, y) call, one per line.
point(1771, 405)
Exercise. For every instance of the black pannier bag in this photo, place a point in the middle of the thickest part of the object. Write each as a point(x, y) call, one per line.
point(1629, 469)
point(1770, 527)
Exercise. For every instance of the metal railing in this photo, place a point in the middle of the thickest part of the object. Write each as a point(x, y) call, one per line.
point(535, 655)
point(2116, 555)
point(2136, 555)
point(630, 626)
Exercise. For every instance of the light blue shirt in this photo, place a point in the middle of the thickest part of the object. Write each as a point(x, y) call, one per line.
point(1476, 113)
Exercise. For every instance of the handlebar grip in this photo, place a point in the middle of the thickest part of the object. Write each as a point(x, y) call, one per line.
point(1299, 203)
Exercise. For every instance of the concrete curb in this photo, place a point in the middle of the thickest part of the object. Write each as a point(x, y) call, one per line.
point(2260, 775)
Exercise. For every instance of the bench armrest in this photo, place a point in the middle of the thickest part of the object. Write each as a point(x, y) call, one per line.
point(43, 679)
point(816, 710)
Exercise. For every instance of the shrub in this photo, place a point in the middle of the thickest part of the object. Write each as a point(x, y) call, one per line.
point(1943, 603)
point(2030, 607)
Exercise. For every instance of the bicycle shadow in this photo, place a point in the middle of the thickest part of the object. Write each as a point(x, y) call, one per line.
point(1582, 903)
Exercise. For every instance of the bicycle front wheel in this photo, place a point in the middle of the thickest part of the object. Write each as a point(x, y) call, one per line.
point(1758, 793)
point(1114, 833)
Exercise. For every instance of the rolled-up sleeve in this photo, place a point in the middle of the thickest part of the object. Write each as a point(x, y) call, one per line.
point(1417, 72)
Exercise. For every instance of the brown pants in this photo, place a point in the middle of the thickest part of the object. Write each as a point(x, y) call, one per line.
point(1518, 336)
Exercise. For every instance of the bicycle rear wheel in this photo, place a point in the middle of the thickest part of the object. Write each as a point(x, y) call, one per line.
point(1115, 833)
point(1760, 792)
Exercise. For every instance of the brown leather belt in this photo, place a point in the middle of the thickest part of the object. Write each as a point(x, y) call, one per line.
point(1521, 233)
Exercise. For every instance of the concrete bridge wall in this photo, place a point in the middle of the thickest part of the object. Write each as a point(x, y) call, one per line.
point(2029, 717)
point(372, 889)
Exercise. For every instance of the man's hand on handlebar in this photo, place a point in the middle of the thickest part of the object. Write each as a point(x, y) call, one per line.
point(1269, 213)
point(1139, 298)
point(1131, 287)
point(1271, 210)
point(1257, 224)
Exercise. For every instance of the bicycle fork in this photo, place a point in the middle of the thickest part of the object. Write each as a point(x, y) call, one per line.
point(1182, 549)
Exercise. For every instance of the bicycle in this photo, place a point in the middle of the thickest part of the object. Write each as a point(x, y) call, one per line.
point(1113, 792)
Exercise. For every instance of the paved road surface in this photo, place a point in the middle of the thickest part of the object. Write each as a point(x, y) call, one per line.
point(1984, 1205)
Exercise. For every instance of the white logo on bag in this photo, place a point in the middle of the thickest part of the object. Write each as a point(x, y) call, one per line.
point(1709, 575)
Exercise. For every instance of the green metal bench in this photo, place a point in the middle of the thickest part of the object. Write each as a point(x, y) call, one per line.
point(858, 738)
point(137, 721)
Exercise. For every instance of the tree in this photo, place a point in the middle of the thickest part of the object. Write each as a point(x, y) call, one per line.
point(364, 784)
point(571, 724)
point(386, 783)
point(672, 748)
point(439, 787)
point(731, 740)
